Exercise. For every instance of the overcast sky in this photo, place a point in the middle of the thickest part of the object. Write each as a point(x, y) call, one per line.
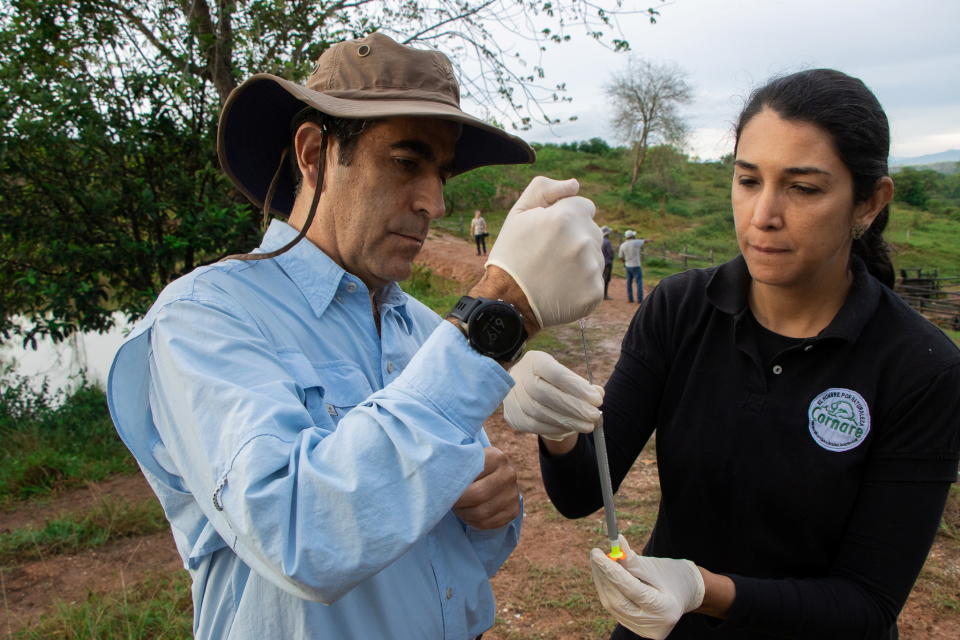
point(908, 53)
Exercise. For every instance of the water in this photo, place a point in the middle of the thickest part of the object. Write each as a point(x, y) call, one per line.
point(66, 363)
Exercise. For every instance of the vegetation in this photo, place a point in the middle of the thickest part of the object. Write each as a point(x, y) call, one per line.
point(105, 522)
point(440, 294)
point(645, 100)
point(157, 609)
point(928, 189)
point(109, 180)
point(53, 441)
point(683, 206)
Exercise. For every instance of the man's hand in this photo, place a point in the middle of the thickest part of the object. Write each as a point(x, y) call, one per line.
point(493, 499)
point(549, 246)
point(646, 595)
point(549, 399)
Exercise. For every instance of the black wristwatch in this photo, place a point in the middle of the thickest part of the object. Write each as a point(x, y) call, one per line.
point(493, 327)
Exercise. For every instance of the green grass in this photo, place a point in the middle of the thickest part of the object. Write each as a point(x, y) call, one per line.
point(159, 608)
point(53, 441)
point(697, 220)
point(546, 340)
point(437, 292)
point(921, 239)
point(104, 522)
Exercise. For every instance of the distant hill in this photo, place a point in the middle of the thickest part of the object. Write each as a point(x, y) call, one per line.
point(951, 156)
point(941, 167)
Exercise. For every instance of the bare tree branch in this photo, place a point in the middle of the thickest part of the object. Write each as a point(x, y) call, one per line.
point(452, 18)
point(134, 20)
point(645, 99)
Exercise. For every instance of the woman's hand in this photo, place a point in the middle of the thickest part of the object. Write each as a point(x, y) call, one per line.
point(646, 595)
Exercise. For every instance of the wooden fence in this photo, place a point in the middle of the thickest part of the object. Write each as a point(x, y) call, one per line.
point(934, 295)
point(681, 255)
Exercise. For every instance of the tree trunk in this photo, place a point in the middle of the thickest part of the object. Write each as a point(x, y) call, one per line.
point(216, 42)
point(639, 155)
point(636, 164)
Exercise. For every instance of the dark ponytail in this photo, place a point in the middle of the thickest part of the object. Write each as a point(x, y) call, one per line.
point(849, 112)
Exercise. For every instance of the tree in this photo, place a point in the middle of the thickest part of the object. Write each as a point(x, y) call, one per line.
point(665, 178)
point(915, 186)
point(646, 97)
point(597, 146)
point(109, 181)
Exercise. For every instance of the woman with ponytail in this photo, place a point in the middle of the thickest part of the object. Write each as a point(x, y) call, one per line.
point(807, 419)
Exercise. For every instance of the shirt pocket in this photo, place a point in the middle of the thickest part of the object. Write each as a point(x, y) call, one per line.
point(328, 389)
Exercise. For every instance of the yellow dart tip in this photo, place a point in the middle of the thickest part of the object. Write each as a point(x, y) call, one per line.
point(615, 553)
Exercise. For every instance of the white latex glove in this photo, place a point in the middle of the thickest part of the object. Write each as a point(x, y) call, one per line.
point(646, 595)
point(550, 245)
point(550, 400)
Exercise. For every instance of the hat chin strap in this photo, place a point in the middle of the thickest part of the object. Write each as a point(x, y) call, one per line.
point(321, 168)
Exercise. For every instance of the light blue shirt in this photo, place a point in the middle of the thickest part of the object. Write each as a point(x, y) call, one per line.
point(307, 464)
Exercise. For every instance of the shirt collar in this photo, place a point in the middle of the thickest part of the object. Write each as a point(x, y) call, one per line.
point(392, 296)
point(316, 275)
point(729, 286)
point(859, 307)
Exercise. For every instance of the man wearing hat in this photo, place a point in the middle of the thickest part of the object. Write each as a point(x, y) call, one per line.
point(631, 251)
point(313, 433)
point(607, 250)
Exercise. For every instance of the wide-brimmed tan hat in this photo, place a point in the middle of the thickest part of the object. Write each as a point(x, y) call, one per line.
point(374, 77)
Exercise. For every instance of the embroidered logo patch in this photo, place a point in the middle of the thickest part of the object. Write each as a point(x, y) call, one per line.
point(839, 419)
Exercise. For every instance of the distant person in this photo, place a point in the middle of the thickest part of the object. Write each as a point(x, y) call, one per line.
point(478, 227)
point(631, 252)
point(807, 419)
point(607, 249)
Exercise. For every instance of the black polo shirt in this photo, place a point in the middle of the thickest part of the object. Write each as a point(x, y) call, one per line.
point(813, 472)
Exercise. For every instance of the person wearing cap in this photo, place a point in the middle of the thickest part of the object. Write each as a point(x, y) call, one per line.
point(314, 434)
point(631, 252)
point(607, 249)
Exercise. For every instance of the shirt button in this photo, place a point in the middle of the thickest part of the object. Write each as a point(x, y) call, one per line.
point(390, 367)
point(777, 369)
point(449, 592)
point(351, 286)
point(808, 347)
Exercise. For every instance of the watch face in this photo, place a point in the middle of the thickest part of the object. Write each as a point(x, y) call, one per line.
point(496, 327)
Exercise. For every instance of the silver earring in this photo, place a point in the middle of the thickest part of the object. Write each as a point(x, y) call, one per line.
point(857, 231)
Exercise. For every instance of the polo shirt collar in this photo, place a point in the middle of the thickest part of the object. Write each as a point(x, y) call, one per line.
point(729, 287)
point(316, 275)
point(859, 307)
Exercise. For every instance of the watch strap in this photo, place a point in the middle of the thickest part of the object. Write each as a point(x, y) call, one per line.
point(463, 310)
point(464, 307)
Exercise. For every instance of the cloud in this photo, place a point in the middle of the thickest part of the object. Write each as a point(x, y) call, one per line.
point(906, 54)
